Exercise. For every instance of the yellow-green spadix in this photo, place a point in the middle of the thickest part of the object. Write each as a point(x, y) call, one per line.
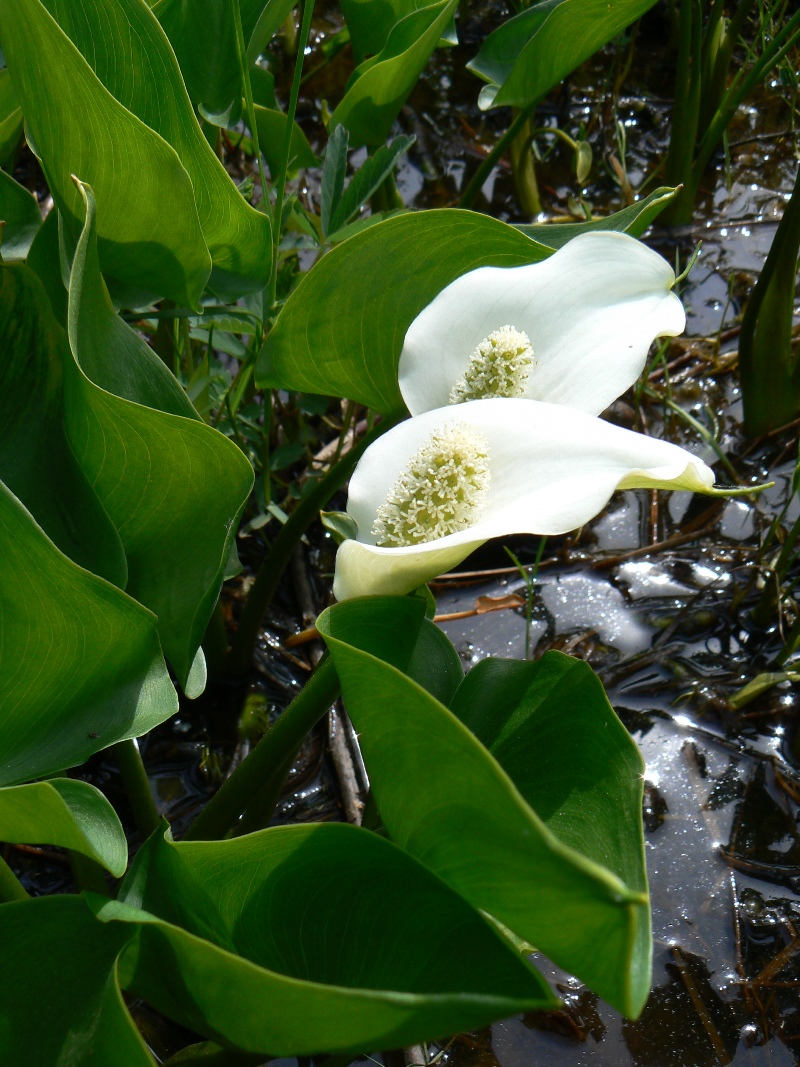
point(437, 486)
point(573, 329)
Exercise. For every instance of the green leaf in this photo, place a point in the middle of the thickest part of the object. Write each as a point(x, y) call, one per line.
point(59, 959)
point(379, 87)
point(19, 211)
point(138, 66)
point(346, 340)
point(10, 120)
point(203, 36)
point(370, 175)
point(550, 847)
point(319, 938)
point(81, 666)
point(272, 140)
point(150, 238)
point(633, 219)
point(67, 813)
point(36, 461)
point(173, 487)
point(531, 53)
point(371, 21)
point(333, 174)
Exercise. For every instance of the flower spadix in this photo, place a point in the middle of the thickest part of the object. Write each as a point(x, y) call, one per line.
point(437, 486)
point(573, 329)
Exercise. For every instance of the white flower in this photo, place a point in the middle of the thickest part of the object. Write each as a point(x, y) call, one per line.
point(573, 329)
point(437, 486)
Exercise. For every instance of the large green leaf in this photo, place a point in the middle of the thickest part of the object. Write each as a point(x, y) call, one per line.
point(633, 219)
point(62, 1005)
point(553, 876)
point(19, 211)
point(532, 52)
point(379, 87)
point(36, 460)
point(10, 120)
point(137, 65)
point(81, 666)
point(173, 487)
point(150, 235)
point(203, 36)
point(71, 814)
point(300, 939)
point(371, 21)
point(345, 340)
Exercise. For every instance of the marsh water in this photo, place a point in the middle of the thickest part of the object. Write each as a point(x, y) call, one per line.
point(656, 594)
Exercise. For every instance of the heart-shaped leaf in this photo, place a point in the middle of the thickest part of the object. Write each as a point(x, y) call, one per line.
point(532, 52)
point(151, 241)
point(67, 813)
point(56, 954)
point(380, 86)
point(36, 461)
point(173, 487)
point(346, 340)
point(81, 665)
point(568, 878)
point(319, 937)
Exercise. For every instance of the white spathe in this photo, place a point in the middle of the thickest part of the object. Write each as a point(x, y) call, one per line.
point(591, 312)
point(551, 469)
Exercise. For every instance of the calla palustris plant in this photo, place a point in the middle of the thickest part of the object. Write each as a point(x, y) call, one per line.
point(119, 505)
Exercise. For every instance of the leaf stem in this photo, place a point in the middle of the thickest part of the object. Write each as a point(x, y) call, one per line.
point(484, 170)
point(241, 51)
point(137, 786)
point(266, 767)
point(10, 886)
point(277, 559)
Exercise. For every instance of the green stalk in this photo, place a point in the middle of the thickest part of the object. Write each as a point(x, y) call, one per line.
point(769, 372)
point(10, 886)
point(685, 112)
point(137, 786)
point(271, 758)
point(484, 170)
point(305, 29)
point(523, 168)
point(215, 641)
point(272, 568)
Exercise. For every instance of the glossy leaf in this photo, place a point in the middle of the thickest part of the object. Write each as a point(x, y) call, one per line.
point(271, 125)
point(36, 461)
point(10, 120)
point(138, 66)
point(531, 53)
point(633, 219)
point(568, 878)
point(319, 937)
point(203, 36)
point(173, 487)
point(81, 666)
point(79, 128)
point(19, 211)
point(346, 340)
point(70, 814)
point(371, 21)
point(435, 664)
point(333, 174)
point(58, 985)
point(379, 87)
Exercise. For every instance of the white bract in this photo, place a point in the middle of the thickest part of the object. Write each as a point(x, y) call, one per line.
point(573, 329)
point(434, 488)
